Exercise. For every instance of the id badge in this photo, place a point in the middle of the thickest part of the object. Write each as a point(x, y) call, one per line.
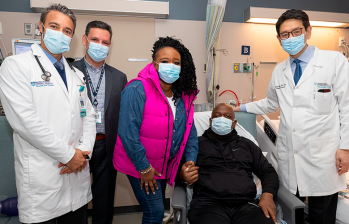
point(98, 117)
point(82, 107)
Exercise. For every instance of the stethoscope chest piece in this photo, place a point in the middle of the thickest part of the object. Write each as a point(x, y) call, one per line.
point(46, 76)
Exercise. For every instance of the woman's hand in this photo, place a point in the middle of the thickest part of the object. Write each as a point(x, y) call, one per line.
point(148, 179)
point(189, 172)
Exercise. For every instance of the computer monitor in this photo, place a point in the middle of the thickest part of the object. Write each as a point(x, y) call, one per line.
point(20, 45)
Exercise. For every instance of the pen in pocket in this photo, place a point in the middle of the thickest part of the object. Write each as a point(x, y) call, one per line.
point(324, 90)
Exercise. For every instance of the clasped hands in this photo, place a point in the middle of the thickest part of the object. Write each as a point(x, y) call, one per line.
point(76, 164)
point(189, 174)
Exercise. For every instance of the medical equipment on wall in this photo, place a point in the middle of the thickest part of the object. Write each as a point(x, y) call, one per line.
point(20, 46)
point(346, 48)
point(247, 68)
point(232, 103)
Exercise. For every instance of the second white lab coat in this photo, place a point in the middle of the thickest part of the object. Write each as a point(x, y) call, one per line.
point(313, 125)
point(47, 127)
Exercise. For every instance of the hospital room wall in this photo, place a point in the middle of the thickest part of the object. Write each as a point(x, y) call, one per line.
point(264, 47)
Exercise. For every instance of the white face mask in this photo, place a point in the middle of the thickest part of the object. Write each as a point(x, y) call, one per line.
point(293, 45)
point(221, 125)
point(56, 41)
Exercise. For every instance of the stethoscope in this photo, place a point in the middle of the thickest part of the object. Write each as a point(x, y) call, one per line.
point(46, 75)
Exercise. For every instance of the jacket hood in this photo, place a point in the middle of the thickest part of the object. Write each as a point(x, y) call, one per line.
point(149, 72)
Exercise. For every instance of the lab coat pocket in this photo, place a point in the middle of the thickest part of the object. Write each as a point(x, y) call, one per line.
point(85, 173)
point(44, 174)
point(323, 149)
point(324, 102)
point(281, 147)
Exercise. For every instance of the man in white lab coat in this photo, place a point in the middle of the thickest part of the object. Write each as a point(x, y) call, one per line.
point(46, 104)
point(312, 89)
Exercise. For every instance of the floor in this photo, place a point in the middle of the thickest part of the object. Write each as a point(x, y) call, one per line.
point(134, 218)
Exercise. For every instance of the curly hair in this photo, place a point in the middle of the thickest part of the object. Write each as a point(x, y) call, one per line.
point(187, 78)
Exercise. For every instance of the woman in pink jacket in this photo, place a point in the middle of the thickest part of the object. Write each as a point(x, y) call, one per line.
point(156, 126)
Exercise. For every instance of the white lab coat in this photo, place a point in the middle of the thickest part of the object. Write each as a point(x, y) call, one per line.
point(47, 127)
point(313, 125)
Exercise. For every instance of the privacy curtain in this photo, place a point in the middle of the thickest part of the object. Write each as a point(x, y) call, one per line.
point(214, 17)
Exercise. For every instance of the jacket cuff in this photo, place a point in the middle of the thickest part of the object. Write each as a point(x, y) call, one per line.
point(190, 158)
point(243, 108)
point(271, 191)
point(69, 155)
point(344, 144)
point(142, 165)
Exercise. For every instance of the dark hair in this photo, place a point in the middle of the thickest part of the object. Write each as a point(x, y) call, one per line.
point(59, 8)
point(187, 78)
point(100, 25)
point(293, 14)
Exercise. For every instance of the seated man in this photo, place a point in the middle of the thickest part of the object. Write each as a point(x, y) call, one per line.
point(224, 191)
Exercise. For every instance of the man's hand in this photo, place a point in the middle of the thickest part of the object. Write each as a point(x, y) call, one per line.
point(342, 161)
point(236, 109)
point(65, 170)
point(268, 206)
point(189, 172)
point(77, 163)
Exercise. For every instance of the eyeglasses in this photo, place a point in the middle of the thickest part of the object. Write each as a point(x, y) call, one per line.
point(295, 33)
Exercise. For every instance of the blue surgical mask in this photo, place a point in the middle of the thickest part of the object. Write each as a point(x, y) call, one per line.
point(221, 125)
point(56, 41)
point(97, 52)
point(293, 45)
point(169, 73)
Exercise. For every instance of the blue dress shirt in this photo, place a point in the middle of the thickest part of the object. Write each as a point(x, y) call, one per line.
point(304, 61)
point(59, 65)
point(95, 75)
point(130, 120)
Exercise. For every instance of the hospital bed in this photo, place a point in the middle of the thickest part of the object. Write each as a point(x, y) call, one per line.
point(292, 207)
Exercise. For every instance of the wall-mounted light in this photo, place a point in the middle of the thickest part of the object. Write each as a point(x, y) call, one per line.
point(271, 15)
point(151, 9)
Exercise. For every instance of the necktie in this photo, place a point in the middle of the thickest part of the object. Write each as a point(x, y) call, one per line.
point(60, 69)
point(298, 72)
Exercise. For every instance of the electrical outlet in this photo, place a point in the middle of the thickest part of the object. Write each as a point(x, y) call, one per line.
point(340, 40)
point(0, 28)
point(28, 27)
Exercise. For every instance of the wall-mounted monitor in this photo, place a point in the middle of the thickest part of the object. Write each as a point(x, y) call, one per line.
point(21, 45)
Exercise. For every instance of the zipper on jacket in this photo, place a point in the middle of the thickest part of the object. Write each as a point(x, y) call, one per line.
point(168, 136)
point(168, 129)
point(185, 127)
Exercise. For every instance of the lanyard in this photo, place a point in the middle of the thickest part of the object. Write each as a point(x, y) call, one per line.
point(94, 92)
